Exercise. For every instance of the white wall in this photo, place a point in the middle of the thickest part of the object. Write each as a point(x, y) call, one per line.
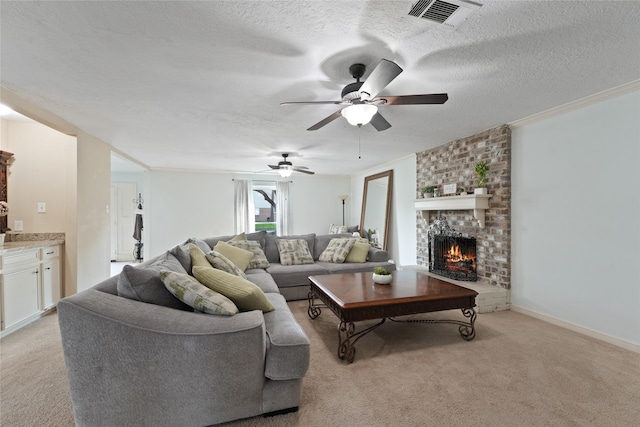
point(183, 204)
point(575, 205)
point(402, 233)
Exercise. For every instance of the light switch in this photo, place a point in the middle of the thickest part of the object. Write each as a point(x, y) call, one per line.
point(42, 207)
point(18, 226)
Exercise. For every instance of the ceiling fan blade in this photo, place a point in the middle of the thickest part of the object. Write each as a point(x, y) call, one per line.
point(380, 77)
point(379, 122)
point(326, 120)
point(310, 102)
point(274, 167)
point(308, 172)
point(434, 98)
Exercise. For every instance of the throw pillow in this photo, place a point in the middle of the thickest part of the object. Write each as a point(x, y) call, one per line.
point(197, 256)
point(241, 236)
point(143, 283)
point(358, 252)
point(240, 257)
point(221, 262)
point(294, 252)
point(259, 260)
point(245, 295)
point(188, 290)
point(337, 250)
point(337, 229)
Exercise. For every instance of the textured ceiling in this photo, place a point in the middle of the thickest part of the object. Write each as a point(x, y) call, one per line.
point(198, 85)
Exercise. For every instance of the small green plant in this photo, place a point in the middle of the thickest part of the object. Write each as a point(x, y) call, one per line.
point(381, 271)
point(427, 189)
point(481, 170)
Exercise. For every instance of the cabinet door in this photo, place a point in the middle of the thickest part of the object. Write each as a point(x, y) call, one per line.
point(50, 283)
point(20, 295)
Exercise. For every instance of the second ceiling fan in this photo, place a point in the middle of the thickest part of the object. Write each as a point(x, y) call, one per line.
point(362, 100)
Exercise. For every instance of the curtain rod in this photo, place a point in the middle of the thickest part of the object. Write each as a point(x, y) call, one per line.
point(261, 180)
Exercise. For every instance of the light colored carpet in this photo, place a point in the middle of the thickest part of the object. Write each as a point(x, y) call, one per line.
point(519, 371)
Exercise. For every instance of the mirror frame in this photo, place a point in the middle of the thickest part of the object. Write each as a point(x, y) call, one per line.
point(388, 174)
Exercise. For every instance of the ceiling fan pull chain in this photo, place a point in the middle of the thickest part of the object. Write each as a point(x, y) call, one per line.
point(359, 153)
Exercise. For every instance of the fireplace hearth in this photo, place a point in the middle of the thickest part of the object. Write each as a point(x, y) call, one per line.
point(450, 254)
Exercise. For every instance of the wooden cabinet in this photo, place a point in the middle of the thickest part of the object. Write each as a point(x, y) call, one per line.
point(30, 284)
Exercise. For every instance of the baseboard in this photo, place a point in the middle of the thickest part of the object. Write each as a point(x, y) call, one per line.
point(579, 329)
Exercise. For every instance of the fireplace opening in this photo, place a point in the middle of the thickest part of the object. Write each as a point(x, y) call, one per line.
point(450, 254)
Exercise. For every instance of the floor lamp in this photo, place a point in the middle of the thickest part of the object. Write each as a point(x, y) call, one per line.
point(343, 197)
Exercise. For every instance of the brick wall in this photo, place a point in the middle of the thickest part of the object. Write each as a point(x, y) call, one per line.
point(454, 163)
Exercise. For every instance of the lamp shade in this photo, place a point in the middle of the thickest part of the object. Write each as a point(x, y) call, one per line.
point(359, 114)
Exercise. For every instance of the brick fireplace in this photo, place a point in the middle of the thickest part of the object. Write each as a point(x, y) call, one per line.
point(453, 163)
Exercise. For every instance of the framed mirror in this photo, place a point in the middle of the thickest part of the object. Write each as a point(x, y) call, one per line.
point(376, 208)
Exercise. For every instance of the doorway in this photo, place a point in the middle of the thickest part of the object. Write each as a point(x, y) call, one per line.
point(123, 195)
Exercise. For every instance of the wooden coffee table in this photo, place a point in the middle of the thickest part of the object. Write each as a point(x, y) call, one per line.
point(355, 297)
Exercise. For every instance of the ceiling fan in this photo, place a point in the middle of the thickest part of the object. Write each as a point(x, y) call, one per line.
point(285, 167)
point(361, 98)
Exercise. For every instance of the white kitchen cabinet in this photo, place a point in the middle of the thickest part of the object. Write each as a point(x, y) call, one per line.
point(30, 282)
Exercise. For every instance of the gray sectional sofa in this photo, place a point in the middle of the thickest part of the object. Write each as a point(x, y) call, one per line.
point(136, 355)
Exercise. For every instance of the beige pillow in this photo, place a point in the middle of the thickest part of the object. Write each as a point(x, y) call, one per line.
point(337, 229)
point(337, 250)
point(188, 290)
point(240, 257)
point(259, 260)
point(294, 252)
point(244, 294)
point(358, 252)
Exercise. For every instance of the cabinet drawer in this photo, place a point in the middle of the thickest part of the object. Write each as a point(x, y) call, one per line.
point(23, 257)
point(50, 252)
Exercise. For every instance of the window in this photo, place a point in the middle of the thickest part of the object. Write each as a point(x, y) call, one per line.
point(264, 202)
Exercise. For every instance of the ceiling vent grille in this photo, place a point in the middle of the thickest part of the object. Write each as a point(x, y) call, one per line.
point(450, 13)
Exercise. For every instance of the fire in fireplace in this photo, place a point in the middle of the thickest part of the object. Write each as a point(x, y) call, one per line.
point(450, 254)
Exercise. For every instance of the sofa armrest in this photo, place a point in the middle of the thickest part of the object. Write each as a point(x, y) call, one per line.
point(377, 255)
point(128, 362)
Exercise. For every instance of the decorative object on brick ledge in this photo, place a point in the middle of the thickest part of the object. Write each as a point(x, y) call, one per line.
point(481, 170)
point(427, 191)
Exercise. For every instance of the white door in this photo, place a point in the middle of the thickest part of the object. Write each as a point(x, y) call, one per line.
point(122, 221)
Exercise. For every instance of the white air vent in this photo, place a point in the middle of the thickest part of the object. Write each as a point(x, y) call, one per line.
point(450, 13)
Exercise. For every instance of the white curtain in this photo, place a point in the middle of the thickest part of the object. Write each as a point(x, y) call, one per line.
point(282, 208)
point(244, 215)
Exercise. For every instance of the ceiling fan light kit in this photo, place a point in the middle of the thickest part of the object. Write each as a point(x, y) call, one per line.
point(359, 114)
point(362, 100)
point(285, 168)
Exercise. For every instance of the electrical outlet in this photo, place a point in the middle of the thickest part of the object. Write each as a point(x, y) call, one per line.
point(18, 226)
point(42, 207)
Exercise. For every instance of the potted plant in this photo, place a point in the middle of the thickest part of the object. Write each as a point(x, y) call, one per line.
point(427, 191)
point(481, 170)
point(381, 276)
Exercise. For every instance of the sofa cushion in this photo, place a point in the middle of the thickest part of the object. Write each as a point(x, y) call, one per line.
point(188, 290)
point(288, 347)
point(271, 250)
point(358, 252)
point(286, 275)
point(221, 262)
point(181, 252)
point(337, 229)
point(337, 250)
point(258, 236)
point(294, 252)
point(263, 280)
point(322, 241)
point(143, 283)
point(240, 257)
point(259, 260)
point(245, 295)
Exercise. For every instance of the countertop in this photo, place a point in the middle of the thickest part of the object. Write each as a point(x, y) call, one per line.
point(12, 247)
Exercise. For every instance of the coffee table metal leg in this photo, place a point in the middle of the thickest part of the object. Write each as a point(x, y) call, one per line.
point(347, 338)
point(468, 332)
point(314, 310)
